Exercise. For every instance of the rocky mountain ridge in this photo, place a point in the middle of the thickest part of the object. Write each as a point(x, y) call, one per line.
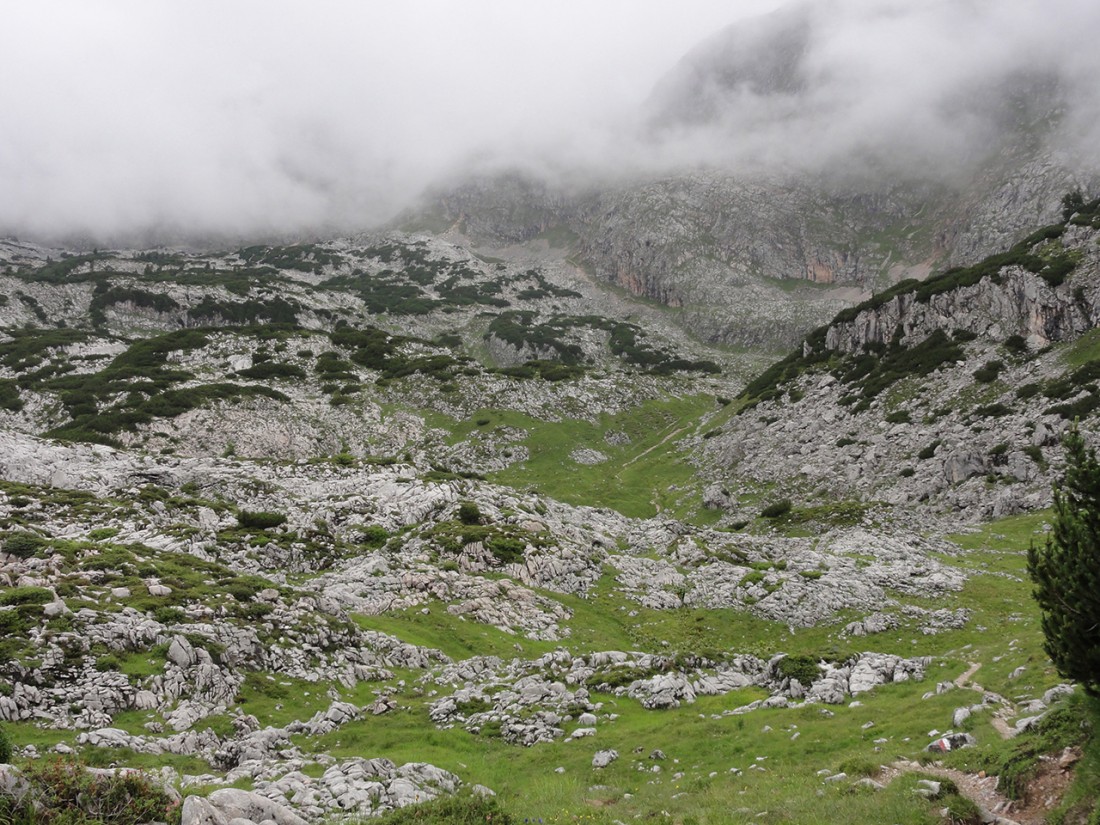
point(726, 250)
point(952, 392)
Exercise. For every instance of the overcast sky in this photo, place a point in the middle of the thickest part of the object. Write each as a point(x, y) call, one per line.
point(262, 115)
point(256, 117)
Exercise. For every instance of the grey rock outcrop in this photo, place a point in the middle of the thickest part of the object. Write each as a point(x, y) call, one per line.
point(601, 759)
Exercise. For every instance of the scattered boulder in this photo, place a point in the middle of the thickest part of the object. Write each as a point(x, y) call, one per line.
point(233, 803)
point(929, 788)
point(952, 742)
point(602, 759)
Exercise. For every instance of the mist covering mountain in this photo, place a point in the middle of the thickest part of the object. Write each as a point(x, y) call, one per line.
point(838, 144)
point(291, 124)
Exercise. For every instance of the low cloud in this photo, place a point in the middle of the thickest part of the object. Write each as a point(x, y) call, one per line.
point(123, 120)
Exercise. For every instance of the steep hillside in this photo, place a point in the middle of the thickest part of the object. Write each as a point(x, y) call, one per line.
point(952, 392)
point(724, 250)
point(323, 343)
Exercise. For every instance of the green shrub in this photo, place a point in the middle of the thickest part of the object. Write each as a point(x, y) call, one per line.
point(5, 747)
point(9, 396)
point(491, 728)
point(1072, 202)
point(995, 410)
point(776, 509)
point(450, 810)
point(259, 684)
point(507, 549)
point(254, 611)
point(617, 677)
point(242, 590)
point(988, 373)
point(859, 766)
point(476, 704)
point(1078, 409)
point(800, 667)
point(961, 811)
point(107, 662)
point(1068, 385)
point(929, 451)
point(214, 312)
point(1035, 454)
point(15, 624)
point(373, 536)
point(259, 520)
point(168, 615)
point(66, 793)
point(469, 513)
point(271, 369)
point(24, 544)
point(26, 595)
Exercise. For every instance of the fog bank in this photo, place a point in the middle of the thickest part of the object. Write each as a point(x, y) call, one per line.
point(258, 118)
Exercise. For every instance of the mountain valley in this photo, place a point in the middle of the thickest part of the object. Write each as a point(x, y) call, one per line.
point(354, 524)
point(697, 487)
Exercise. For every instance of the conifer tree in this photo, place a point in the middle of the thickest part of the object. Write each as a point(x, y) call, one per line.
point(1066, 569)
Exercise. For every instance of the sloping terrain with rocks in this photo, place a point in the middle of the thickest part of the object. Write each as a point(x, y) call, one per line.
point(951, 394)
point(513, 510)
point(305, 528)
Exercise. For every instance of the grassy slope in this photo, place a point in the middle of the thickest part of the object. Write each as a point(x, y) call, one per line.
point(696, 744)
point(640, 478)
point(646, 475)
point(1003, 634)
point(703, 742)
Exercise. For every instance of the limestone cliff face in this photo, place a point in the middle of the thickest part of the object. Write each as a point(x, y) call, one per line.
point(656, 230)
point(749, 262)
point(1018, 302)
point(768, 259)
point(1005, 202)
point(962, 436)
point(509, 208)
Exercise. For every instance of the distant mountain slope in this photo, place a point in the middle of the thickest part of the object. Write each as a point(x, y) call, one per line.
point(795, 200)
point(302, 350)
point(952, 391)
